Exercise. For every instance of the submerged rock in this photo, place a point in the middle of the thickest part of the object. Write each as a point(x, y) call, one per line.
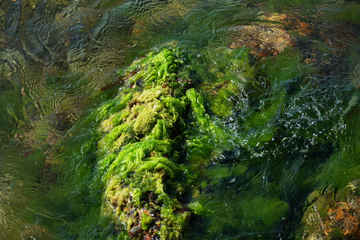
point(290, 22)
point(270, 34)
point(334, 215)
point(263, 40)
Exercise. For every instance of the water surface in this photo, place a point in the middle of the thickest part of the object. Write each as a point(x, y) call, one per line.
point(292, 134)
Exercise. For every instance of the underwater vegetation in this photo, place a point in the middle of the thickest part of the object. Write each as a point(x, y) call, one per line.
point(244, 127)
point(143, 140)
point(185, 139)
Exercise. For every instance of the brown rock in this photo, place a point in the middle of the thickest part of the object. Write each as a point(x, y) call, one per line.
point(262, 39)
point(291, 22)
point(334, 216)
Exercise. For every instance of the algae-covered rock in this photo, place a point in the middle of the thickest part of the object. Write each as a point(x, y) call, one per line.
point(139, 149)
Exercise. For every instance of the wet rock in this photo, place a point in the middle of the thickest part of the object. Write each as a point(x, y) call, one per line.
point(327, 52)
point(290, 22)
point(262, 39)
point(272, 34)
point(142, 195)
point(334, 215)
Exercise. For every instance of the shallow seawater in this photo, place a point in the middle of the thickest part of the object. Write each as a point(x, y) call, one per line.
point(283, 110)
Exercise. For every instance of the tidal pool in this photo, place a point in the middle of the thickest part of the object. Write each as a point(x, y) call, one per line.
point(168, 119)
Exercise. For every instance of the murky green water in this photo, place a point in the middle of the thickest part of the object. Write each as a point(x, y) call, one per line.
point(280, 117)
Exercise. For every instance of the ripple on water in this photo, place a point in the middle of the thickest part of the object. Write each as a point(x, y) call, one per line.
point(54, 56)
point(20, 196)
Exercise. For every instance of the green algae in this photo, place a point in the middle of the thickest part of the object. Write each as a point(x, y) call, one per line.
point(146, 220)
point(151, 153)
point(206, 138)
point(231, 71)
point(201, 119)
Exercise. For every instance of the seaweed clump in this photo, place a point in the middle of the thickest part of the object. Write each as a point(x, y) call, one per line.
point(139, 148)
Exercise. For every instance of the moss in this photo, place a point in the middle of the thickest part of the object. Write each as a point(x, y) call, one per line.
point(159, 131)
point(108, 124)
point(140, 145)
